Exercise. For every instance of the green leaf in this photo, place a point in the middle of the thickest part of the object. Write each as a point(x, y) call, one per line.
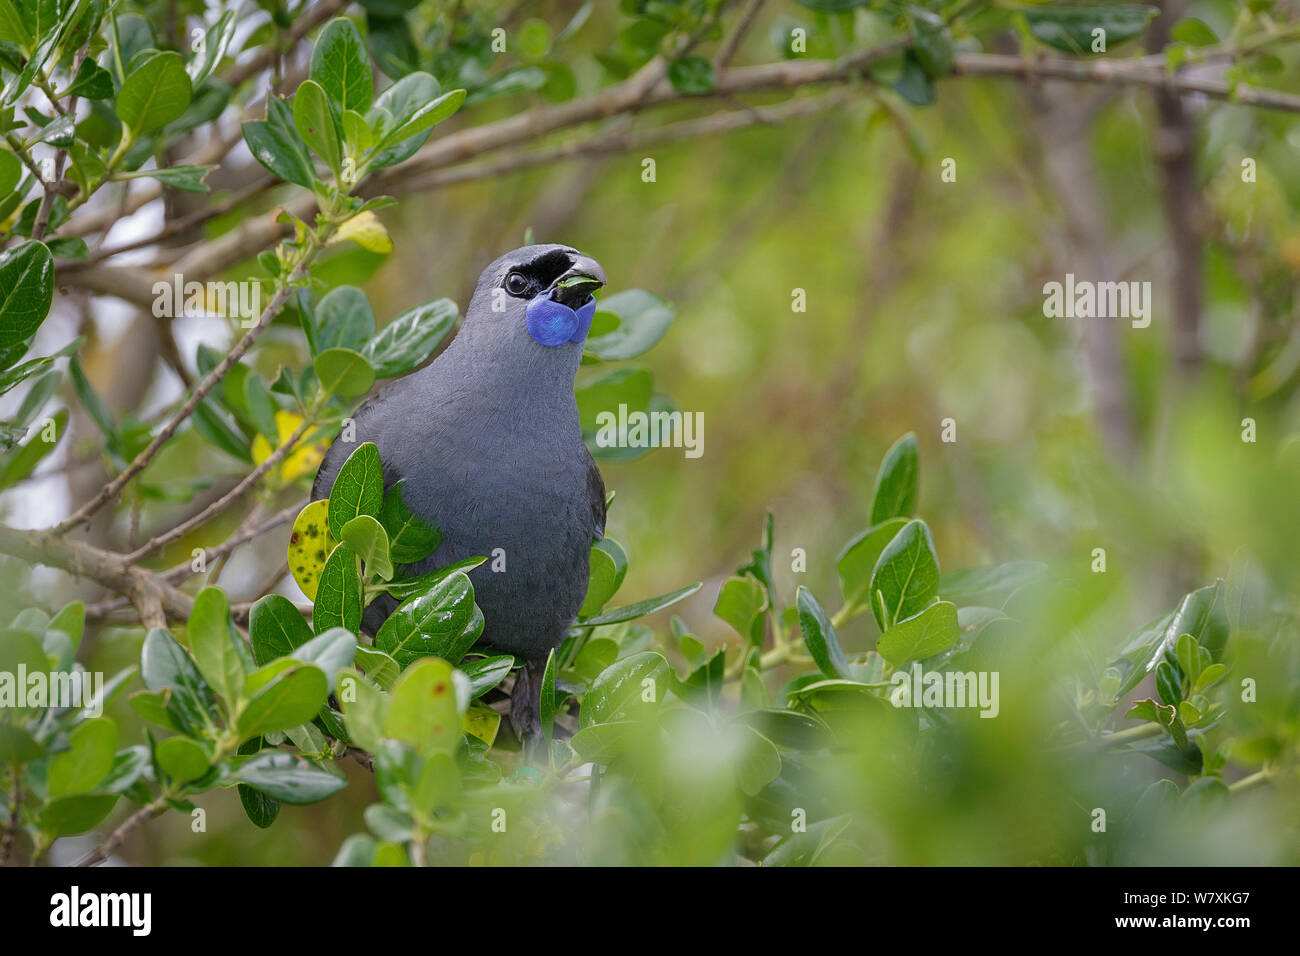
point(760, 763)
point(633, 387)
point(423, 712)
point(1204, 616)
point(314, 121)
point(1187, 652)
point(71, 620)
point(896, 482)
point(819, 635)
point(632, 321)
point(548, 699)
point(367, 537)
point(914, 83)
point(356, 131)
point(360, 849)
point(216, 430)
point(692, 75)
point(608, 564)
point(185, 178)
point(341, 66)
point(637, 681)
point(128, 766)
point(1167, 683)
point(11, 169)
point(410, 537)
point(331, 652)
point(417, 124)
point(275, 143)
point(441, 620)
point(68, 247)
point(410, 339)
point(338, 596)
point(165, 665)
point(212, 638)
point(358, 489)
point(486, 673)
point(289, 778)
point(17, 746)
point(215, 43)
point(858, 560)
point(602, 743)
point(92, 747)
point(289, 699)
point(1209, 677)
point(92, 82)
point(933, 630)
point(342, 319)
point(1068, 27)
point(364, 708)
point(18, 463)
point(155, 93)
point(380, 669)
point(931, 41)
point(741, 603)
point(77, 813)
point(630, 612)
point(26, 291)
point(395, 105)
point(343, 372)
point(258, 807)
point(182, 759)
point(905, 580)
point(1193, 32)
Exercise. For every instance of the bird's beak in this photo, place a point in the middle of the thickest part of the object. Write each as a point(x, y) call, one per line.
point(576, 286)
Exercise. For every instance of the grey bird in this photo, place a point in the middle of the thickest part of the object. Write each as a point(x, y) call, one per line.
point(488, 441)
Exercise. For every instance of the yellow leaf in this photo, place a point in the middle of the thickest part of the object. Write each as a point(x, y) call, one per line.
point(309, 545)
point(481, 721)
point(303, 460)
point(367, 231)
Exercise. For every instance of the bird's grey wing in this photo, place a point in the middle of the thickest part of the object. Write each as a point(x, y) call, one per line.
point(368, 418)
point(596, 492)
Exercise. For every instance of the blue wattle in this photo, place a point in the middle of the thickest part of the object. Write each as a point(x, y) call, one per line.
point(554, 323)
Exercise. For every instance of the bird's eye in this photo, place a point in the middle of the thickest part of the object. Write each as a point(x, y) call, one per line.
point(516, 284)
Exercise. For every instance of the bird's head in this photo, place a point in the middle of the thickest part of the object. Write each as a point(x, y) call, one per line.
point(543, 291)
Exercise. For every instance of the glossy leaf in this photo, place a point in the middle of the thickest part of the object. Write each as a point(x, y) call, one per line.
point(358, 489)
point(933, 630)
point(819, 635)
point(410, 537)
point(905, 580)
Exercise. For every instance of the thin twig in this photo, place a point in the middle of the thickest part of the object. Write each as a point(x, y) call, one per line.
point(733, 41)
point(102, 852)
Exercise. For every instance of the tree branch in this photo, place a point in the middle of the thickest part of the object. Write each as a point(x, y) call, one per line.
point(153, 597)
point(1122, 73)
